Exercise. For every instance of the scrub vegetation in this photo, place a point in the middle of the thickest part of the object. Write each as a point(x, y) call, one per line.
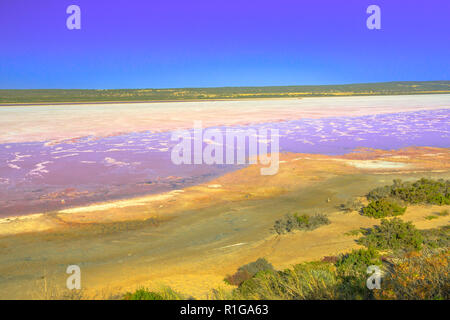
point(414, 264)
point(423, 191)
point(291, 222)
point(129, 95)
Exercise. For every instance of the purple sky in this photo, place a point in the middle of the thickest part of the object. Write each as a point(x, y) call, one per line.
point(191, 43)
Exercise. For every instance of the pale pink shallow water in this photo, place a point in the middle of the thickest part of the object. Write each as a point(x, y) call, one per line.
point(39, 176)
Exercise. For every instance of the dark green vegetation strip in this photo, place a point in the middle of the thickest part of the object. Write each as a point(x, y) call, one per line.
point(389, 201)
point(425, 191)
point(178, 94)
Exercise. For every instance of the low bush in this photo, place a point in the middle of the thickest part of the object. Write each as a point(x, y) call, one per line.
point(314, 280)
point(437, 238)
point(422, 191)
point(165, 293)
point(383, 208)
point(306, 281)
point(423, 276)
point(351, 205)
point(247, 271)
point(143, 294)
point(317, 220)
point(392, 234)
point(300, 222)
point(352, 272)
point(286, 224)
point(357, 261)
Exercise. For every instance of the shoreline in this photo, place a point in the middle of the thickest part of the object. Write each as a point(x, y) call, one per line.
point(411, 160)
point(96, 102)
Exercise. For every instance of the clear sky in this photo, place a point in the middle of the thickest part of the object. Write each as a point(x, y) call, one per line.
point(207, 43)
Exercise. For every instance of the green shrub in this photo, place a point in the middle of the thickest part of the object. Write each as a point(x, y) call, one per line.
point(165, 293)
point(259, 265)
point(352, 272)
point(302, 221)
point(423, 276)
point(379, 193)
point(314, 280)
point(351, 205)
point(422, 191)
point(306, 281)
point(247, 271)
point(437, 237)
point(286, 224)
point(318, 220)
point(357, 260)
point(143, 294)
point(392, 234)
point(299, 222)
point(382, 208)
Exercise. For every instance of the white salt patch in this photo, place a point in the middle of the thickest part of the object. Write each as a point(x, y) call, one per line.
point(377, 164)
point(39, 169)
point(114, 162)
point(13, 166)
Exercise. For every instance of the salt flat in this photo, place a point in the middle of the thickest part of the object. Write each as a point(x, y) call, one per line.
point(60, 122)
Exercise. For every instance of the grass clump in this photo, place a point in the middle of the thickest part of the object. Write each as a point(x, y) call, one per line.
point(383, 208)
point(300, 222)
point(392, 234)
point(430, 217)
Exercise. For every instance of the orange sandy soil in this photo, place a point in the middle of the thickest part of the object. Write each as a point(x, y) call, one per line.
point(318, 181)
